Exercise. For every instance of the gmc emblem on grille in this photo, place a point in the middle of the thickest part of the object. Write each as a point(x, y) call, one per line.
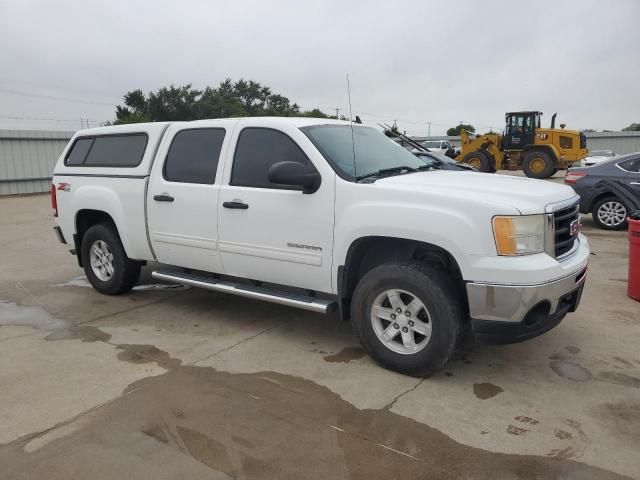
point(574, 227)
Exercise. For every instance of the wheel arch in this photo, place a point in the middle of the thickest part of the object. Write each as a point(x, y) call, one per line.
point(86, 218)
point(368, 252)
point(543, 148)
point(596, 198)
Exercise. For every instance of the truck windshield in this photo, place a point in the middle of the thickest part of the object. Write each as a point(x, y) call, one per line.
point(373, 151)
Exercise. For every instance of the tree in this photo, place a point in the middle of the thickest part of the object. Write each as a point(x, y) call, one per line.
point(634, 127)
point(453, 131)
point(229, 99)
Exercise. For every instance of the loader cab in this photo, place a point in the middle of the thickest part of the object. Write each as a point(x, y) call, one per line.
point(520, 129)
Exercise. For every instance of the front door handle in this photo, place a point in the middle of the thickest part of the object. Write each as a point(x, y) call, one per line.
point(635, 183)
point(235, 204)
point(165, 197)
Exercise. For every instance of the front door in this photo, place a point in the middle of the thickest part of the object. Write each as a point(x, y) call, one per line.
point(182, 198)
point(520, 131)
point(269, 232)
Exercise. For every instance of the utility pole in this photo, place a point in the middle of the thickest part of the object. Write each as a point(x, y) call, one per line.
point(428, 129)
point(337, 113)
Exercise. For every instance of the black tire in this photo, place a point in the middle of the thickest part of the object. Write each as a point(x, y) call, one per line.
point(600, 218)
point(442, 300)
point(532, 159)
point(126, 272)
point(480, 160)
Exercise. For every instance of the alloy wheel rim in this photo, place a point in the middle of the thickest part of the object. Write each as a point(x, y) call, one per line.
point(401, 321)
point(612, 213)
point(101, 260)
point(474, 162)
point(536, 165)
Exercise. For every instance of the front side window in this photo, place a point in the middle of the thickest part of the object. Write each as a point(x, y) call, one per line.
point(193, 156)
point(257, 150)
point(360, 152)
point(517, 122)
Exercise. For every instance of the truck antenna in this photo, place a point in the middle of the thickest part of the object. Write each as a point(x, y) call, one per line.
point(353, 143)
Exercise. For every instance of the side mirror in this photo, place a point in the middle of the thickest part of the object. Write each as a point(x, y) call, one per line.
point(294, 174)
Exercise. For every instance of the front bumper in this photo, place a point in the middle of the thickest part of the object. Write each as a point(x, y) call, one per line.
point(513, 313)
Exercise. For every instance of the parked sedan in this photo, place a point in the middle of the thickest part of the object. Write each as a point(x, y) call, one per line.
point(609, 211)
point(596, 156)
point(438, 161)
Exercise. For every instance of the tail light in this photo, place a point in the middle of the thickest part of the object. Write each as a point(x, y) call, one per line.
point(54, 201)
point(573, 177)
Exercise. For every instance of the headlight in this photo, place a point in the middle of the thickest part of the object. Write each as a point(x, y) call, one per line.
point(520, 235)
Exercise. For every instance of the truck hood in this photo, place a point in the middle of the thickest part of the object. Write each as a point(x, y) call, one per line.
point(527, 195)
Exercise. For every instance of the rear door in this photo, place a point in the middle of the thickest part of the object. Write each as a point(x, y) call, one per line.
point(183, 195)
point(632, 178)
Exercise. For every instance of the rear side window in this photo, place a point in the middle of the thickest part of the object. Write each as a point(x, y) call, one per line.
point(193, 156)
point(79, 151)
point(108, 151)
point(630, 165)
point(257, 150)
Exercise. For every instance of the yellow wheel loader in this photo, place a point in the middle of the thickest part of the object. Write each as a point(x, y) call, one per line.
point(539, 152)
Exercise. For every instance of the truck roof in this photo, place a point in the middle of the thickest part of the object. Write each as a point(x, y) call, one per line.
point(131, 127)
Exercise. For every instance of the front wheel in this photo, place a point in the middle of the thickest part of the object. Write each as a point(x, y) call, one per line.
point(479, 160)
point(538, 164)
point(105, 262)
point(408, 317)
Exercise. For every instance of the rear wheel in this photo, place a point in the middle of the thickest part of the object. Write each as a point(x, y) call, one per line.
point(538, 164)
point(105, 262)
point(408, 317)
point(609, 213)
point(480, 160)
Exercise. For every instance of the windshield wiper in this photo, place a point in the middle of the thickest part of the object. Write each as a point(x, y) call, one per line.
point(385, 172)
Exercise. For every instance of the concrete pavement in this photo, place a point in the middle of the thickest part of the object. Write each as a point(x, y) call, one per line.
point(167, 382)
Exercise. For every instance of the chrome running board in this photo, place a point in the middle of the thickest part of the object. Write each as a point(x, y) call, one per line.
point(305, 302)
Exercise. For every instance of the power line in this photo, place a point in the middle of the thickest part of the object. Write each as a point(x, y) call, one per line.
point(52, 97)
point(63, 120)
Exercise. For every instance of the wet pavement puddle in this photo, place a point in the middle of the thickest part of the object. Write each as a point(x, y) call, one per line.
point(265, 425)
point(486, 390)
point(29, 316)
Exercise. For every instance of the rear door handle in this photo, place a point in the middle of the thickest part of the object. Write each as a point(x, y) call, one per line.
point(165, 197)
point(235, 204)
point(635, 183)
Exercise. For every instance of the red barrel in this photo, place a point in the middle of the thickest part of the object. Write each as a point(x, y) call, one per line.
point(633, 289)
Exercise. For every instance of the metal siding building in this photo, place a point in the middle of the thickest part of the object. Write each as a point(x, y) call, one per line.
point(619, 142)
point(27, 158)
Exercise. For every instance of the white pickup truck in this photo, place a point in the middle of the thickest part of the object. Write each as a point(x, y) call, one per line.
point(324, 215)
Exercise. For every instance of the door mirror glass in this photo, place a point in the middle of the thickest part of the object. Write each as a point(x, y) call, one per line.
point(294, 174)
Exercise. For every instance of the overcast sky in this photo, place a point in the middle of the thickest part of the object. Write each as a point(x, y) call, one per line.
point(414, 61)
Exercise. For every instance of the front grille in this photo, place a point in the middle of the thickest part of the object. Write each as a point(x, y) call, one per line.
point(563, 220)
